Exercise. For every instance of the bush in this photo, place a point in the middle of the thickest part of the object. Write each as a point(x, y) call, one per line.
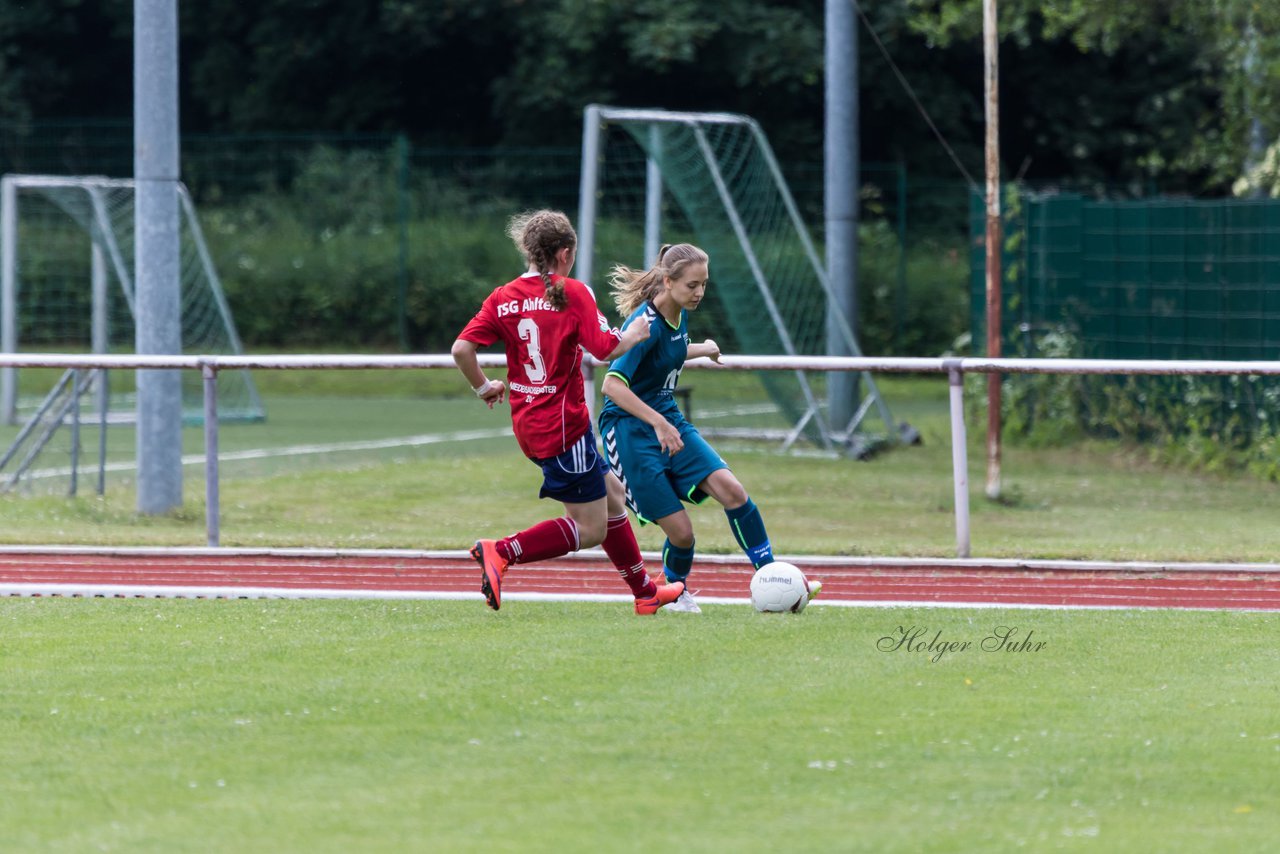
point(316, 262)
point(1203, 422)
point(319, 264)
point(935, 307)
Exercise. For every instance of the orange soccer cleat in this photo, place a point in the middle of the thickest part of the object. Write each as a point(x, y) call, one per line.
point(493, 566)
point(667, 593)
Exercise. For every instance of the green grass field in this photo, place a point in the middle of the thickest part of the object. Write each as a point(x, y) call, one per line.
point(145, 725)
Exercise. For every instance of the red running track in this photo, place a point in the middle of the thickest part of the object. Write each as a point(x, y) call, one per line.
point(867, 581)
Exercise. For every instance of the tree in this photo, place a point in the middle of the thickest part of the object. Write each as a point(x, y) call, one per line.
point(63, 57)
point(1096, 91)
point(1203, 111)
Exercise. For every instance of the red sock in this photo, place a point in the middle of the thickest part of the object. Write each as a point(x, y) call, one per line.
point(621, 547)
point(548, 539)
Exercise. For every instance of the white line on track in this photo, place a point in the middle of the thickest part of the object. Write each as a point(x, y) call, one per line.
point(133, 591)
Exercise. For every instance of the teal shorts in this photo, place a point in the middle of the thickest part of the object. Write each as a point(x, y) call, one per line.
point(657, 482)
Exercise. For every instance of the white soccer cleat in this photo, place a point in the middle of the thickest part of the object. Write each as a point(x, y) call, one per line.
point(815, 587)
point(685, 604)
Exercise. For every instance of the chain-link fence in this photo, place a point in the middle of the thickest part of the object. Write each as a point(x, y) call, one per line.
point(371, 241)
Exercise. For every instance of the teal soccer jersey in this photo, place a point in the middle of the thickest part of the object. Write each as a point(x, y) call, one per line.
point(655, 482)
point(651, 369)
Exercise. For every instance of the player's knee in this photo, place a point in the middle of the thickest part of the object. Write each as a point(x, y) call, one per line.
point(616, 505)
point(733, 495)
point(681, 538)
point(591, 535)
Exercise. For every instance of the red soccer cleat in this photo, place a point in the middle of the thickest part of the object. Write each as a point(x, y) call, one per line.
point(493, 566)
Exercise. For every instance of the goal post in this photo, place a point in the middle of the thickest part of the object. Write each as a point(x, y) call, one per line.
point(654, 176)
point(67, 284)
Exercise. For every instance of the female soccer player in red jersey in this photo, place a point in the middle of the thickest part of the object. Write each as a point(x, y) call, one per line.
point(545, 319)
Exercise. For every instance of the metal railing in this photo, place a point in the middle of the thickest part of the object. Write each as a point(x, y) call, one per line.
point(954, 369)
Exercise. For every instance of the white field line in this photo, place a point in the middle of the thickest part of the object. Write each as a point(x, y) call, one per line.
point(296, 451)
point(745, 409)
point(368, 445)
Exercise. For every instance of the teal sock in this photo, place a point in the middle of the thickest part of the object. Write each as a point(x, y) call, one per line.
point(748, 530)
point(676, 561)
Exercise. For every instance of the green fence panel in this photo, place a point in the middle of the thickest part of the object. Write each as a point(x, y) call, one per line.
point(1151, 279)
point(1167, 279)
point(1158, 279)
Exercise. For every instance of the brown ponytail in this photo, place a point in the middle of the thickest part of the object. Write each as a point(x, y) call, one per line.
point(539, 235)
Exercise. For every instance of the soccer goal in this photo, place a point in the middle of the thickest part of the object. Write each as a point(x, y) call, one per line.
point(653, 176)
point(66, 285)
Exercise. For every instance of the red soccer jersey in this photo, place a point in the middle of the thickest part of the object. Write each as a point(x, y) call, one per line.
point(544, 361)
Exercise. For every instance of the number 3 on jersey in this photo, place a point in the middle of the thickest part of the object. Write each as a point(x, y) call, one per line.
point(535, 369)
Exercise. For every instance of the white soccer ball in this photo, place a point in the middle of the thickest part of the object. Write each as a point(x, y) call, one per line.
point(779, 587)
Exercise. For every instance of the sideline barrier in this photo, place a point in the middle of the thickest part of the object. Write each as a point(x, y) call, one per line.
point(954, 369)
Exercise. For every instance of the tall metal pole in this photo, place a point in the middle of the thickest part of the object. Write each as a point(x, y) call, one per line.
point(158, 315)
point(211, 510)
point(840, 154)
point(991, 87)
point(588, 186)
point(8, 298)
point(653, 197)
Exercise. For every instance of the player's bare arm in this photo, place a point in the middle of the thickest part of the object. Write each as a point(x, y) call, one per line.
point(464, 356)
point(708, 349)
point(668, 436)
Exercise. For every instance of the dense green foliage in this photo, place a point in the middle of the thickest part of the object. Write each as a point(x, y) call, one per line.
point(318, 265)
point(1191, 89)
point(1208, 423)
point(1108, 93)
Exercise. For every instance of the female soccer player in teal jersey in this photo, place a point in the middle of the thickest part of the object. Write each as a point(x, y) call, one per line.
point(659, 456)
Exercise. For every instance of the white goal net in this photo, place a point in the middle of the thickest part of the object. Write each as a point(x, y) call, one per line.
point(654, 176)
point(66, 285)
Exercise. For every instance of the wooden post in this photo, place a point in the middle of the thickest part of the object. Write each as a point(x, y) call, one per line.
point(991, 78)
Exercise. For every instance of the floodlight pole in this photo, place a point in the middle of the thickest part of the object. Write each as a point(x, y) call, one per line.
point(588, 186)
point(8, 298)
point(840, 183)
point(158, 322)
point(991, 87)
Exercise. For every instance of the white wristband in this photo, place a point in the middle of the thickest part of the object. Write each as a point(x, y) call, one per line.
point(481, 389)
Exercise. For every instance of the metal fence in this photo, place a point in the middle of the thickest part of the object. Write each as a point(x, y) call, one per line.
point(365, 236)
point(216, 167)
point(953, 369)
